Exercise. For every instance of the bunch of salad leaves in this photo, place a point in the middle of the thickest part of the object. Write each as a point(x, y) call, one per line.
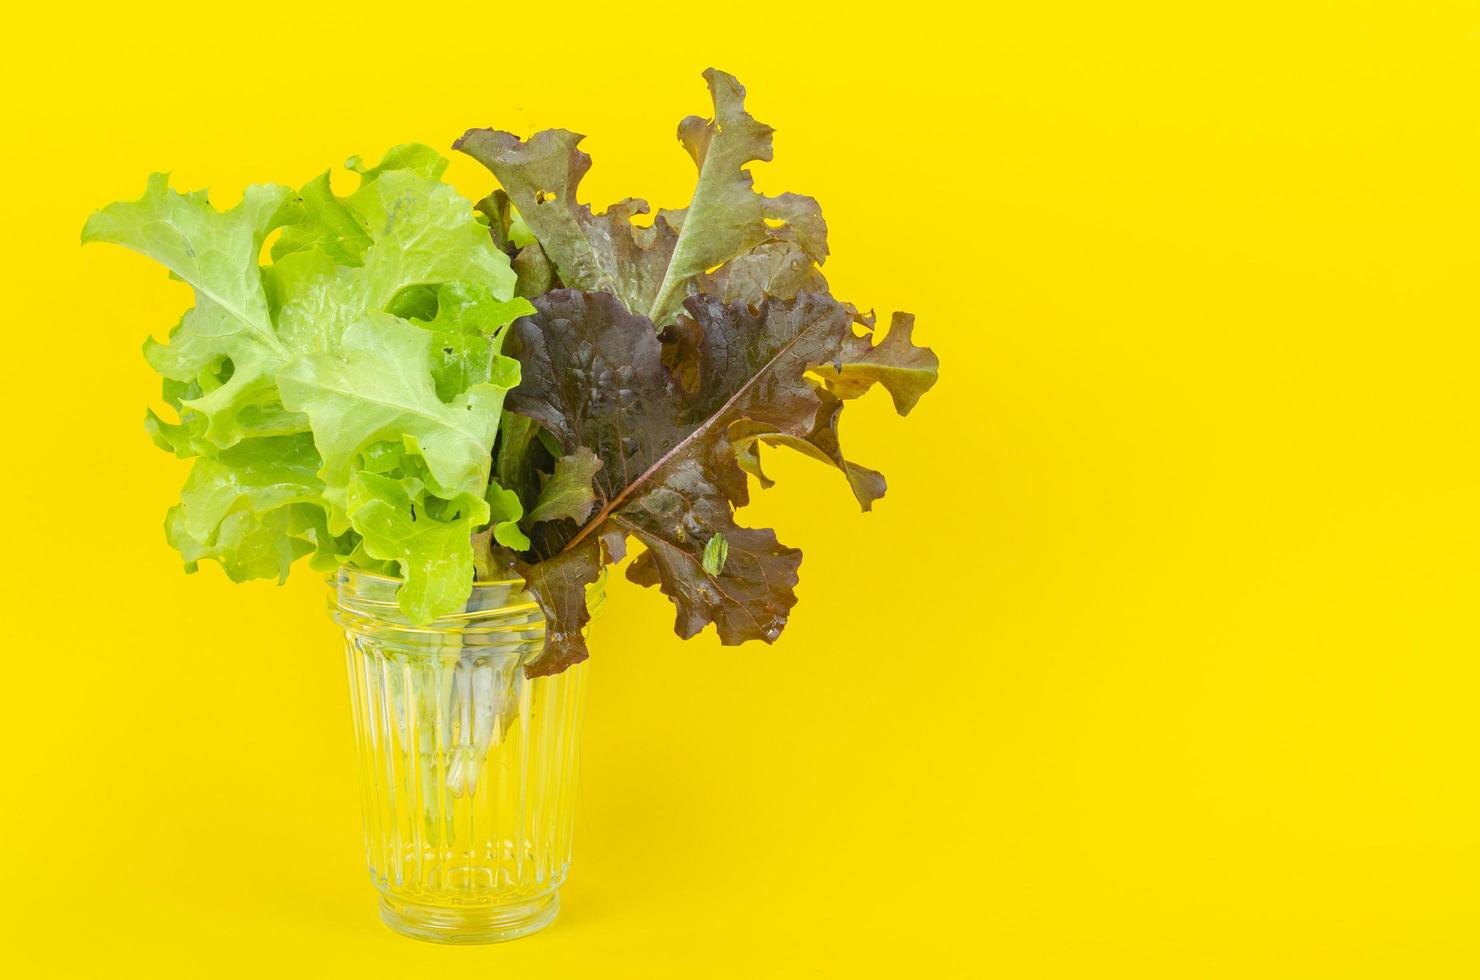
point(442, 391)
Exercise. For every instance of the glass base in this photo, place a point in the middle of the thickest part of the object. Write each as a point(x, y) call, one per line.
point(469, 925)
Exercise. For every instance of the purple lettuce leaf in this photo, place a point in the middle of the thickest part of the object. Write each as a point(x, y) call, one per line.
point(675, 419)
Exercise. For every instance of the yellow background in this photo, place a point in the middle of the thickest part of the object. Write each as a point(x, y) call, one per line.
point(1159, 659)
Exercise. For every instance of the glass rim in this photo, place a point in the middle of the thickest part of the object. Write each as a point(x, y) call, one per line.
point(354, 571)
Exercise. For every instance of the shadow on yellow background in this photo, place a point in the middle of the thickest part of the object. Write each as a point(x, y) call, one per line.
point(1159, 659)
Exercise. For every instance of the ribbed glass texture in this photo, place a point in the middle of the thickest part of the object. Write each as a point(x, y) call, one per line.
point(467, 767)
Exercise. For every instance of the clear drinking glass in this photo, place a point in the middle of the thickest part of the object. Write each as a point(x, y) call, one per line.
point(467, 767)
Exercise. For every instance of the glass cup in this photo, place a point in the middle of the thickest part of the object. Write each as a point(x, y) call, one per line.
point(467, 768)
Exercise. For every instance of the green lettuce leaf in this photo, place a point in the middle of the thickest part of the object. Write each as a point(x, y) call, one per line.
point(368, 349)
point(505, 510)
point(467, 331)
point(323, 223)
point(216, 254)
point(252, 508)
point(434, 553)
point(567, 494)
point(377, 384)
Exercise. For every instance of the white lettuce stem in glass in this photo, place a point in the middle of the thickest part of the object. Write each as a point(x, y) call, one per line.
point(467, 767)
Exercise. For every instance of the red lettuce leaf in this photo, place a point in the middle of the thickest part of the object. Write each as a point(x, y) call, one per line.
point(729, 241)
point(675, 420)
